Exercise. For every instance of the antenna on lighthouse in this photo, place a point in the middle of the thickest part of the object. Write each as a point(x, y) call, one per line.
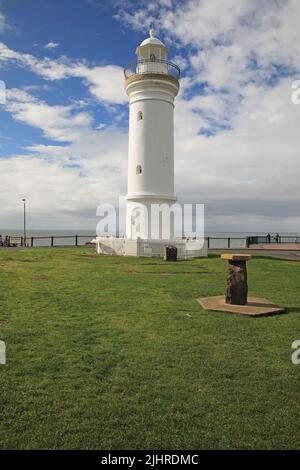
point(152, 31)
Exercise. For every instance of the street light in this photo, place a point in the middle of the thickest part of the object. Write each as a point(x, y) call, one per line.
point(24, 239)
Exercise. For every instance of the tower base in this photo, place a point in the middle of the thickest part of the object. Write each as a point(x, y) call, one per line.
point(187, 248)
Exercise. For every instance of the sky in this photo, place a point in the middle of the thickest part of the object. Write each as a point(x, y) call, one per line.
point(64, 126)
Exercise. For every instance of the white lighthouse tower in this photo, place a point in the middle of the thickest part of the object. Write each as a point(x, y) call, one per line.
point(152, 85)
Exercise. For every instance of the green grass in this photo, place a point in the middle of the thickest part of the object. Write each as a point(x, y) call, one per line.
point(115, 353)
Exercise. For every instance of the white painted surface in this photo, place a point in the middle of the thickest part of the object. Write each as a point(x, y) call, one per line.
point(187, 249)
point(151, 136)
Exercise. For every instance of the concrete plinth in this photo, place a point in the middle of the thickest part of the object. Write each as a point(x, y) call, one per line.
point(256, 307)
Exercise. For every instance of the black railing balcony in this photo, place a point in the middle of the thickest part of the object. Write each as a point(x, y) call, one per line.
point(161, 66)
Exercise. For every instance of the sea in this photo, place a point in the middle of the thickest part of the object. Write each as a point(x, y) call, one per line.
point(67, 237)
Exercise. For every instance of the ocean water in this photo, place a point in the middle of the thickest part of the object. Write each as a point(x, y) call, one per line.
point(67, 237)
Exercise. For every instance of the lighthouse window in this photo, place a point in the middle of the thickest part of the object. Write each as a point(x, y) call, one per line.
point(139, 170)
point(140, 116)
point(152, 58)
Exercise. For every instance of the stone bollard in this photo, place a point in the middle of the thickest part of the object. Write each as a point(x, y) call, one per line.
point(237, 287)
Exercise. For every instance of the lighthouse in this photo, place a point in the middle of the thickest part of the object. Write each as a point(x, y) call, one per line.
point(151, 83)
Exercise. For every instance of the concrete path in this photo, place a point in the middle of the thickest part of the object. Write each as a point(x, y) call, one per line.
point(276, 246)
point(290, 255)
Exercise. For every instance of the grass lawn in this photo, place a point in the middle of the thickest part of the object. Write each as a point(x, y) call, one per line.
point(115, 353)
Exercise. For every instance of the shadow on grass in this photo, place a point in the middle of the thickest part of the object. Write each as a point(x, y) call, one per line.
point(293, 309)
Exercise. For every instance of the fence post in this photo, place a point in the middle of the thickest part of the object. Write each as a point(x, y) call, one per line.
point(228, 242)
point(76, 240)
point(208, 242)
point(32, 242)
point(52, 241)
point(22, 241)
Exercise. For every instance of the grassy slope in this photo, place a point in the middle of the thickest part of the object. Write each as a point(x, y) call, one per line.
point(116, 353)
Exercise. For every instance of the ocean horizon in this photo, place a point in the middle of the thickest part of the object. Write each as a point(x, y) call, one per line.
point(83, 232)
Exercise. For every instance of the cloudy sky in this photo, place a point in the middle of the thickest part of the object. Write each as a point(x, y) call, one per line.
point(63, 129)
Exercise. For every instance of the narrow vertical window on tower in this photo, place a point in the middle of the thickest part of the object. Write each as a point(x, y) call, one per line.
point(139, 170)
point(140, 116)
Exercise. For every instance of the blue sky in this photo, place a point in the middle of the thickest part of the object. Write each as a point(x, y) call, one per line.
point(63, 130)
point(82, 32)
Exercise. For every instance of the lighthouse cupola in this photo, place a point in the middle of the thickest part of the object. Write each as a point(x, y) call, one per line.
point(152, 49)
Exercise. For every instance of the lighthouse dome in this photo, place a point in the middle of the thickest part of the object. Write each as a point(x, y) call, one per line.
point(150, 43)
point(152, 40)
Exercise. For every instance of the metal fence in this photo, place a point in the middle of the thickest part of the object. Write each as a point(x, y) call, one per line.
point(213, 242)
point(83, 240)
point(48, 241)
point(278, 239)
point(226, 242)
point(157, 66)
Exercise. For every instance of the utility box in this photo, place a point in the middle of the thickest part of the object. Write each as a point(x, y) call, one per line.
point(170, 253)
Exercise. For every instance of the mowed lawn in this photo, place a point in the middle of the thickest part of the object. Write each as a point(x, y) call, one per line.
point(115, 353)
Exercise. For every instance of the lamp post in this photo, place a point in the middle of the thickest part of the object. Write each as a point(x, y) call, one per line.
point(24, 239)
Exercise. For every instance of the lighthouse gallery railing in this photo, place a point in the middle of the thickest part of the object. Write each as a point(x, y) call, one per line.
point(159, 66)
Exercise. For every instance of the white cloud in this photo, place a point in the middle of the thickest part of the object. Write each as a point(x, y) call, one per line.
point(249, 171)
point(59, 123)
point(63, 183)
point(227, 37)
point(51, 45)
point(106, 83)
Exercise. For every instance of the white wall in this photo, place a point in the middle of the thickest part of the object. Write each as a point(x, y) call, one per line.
point(151, 143)
point(150, 248)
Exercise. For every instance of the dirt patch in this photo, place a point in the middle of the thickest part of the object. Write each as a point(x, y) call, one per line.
point(174, 273)
point(27, 260)
point(95, 256)
point(40, 277)
point(128, 267)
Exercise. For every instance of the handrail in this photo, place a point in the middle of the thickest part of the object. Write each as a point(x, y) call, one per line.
point(271, 239)
point(158, 66)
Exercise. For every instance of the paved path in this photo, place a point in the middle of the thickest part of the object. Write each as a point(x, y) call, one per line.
point(276, 246)
point(290, 255)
